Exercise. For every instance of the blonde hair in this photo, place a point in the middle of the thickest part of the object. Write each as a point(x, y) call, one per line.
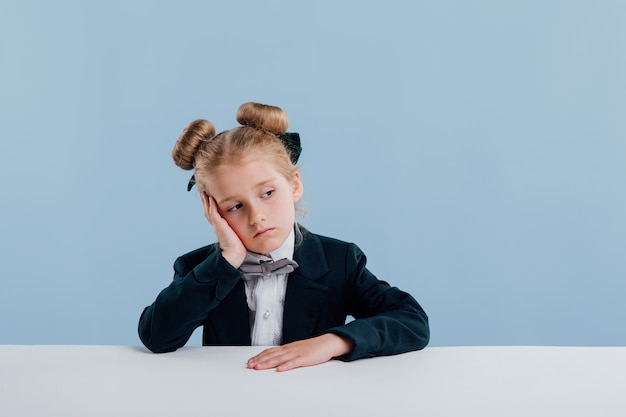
point(199, 148)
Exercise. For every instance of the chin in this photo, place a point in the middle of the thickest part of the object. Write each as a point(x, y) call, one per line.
point(264, 247)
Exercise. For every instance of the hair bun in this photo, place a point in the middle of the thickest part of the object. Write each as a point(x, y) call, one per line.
point(263, 116)
point(190, 141)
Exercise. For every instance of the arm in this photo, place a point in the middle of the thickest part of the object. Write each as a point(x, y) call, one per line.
point(388, 320)
point(197, 288)
point(180, 308)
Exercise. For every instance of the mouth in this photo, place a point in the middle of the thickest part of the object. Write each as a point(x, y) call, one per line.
point(263, 232)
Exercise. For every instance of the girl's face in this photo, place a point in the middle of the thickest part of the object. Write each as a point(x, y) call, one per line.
point(256, 201)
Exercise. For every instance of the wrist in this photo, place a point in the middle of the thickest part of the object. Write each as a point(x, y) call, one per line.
point(234, 259)
point(340, 345)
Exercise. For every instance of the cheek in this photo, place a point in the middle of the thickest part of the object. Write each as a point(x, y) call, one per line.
point(234, 223)
point(287, 207)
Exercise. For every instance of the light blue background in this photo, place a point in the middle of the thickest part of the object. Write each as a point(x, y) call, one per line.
point(475, 150)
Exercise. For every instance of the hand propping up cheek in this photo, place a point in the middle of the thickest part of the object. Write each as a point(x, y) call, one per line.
point(232, 249)
point(306, 352)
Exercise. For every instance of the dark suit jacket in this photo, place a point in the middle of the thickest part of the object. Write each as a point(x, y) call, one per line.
point(331, 283)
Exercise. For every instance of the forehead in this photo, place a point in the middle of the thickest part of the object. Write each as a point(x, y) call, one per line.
point(243, 175)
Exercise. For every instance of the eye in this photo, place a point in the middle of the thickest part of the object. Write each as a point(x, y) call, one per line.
point(267, 193)
point(235, 207)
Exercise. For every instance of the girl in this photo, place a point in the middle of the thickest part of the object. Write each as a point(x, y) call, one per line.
point(268, 281)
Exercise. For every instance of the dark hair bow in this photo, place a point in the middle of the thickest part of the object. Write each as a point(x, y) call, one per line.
point(291, 140)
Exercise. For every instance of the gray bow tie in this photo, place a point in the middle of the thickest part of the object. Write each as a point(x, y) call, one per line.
point(282, 266)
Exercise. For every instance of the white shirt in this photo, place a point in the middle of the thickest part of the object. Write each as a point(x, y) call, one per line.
point(265, 295)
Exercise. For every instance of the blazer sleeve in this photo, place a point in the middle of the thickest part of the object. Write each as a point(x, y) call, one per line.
point(387, 321)
point(201, 281)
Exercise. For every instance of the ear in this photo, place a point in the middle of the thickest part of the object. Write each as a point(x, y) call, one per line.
point(297, 187)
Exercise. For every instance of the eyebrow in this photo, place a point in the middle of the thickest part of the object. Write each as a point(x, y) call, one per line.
point(257, 185)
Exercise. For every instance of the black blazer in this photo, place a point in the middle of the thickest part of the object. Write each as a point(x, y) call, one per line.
point(331, 283)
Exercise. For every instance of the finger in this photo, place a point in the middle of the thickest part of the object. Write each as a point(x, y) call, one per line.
point(270, 358)
point(205, 205)
point(284, 362)
point(289, 365)
point(212, 214)
point(213, 211)
point(264, 356)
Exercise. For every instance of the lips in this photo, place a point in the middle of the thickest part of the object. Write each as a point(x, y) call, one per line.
point(263, 232)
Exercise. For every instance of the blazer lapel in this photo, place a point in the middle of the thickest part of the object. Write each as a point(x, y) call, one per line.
point(305, 297)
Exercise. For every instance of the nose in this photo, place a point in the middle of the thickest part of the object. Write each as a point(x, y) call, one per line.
point(255, 214)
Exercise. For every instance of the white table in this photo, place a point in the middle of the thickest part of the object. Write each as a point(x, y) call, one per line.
point(116, 381)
